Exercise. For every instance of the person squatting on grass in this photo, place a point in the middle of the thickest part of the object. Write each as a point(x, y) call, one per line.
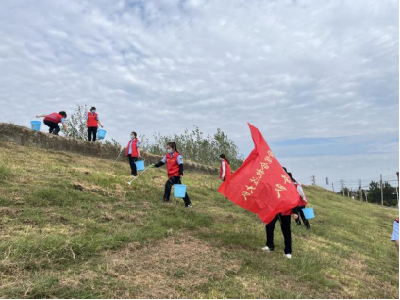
point(52, 120)
point(92, 122)
point(174, 162)
point(301, 204)
point(395, 233)
point(133, 152)
point(225, 169)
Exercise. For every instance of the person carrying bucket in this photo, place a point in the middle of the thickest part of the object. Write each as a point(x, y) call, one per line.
point(92, 122)
point(133, 152)
point(302, 202)
point(52, 120)
point(174, 162)
point(225, 168)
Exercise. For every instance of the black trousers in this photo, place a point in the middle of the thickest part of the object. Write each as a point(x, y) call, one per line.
point(132, 161)
point(168, 186)
point(92, 132)
point(302, 216)
point(53, 127)
point(287, 234)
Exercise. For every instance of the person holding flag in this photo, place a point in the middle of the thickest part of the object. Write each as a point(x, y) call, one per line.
point(225, 169)
point(263, 187)
point(285, 221)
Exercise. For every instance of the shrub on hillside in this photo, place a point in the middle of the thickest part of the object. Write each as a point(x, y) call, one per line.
point(196, 147)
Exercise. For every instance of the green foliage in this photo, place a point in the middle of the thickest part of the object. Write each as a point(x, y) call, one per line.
point(113, 143)
point(5, 172)
point(76, 123)
point(196, 147)
point(389, 193)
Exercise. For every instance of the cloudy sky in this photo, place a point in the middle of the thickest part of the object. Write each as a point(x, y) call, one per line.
point(319, 78)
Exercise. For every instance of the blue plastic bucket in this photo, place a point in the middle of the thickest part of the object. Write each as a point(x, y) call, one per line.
point(180, 190)
point(139, 165)
point(308, 213)
point(35, 125)
point(101, 134)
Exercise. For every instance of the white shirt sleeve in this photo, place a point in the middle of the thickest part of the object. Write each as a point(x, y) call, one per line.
point(301, 192)
point(223, 169)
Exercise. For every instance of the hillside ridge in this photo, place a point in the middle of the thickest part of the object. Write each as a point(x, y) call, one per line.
point(70, 227)
point(27, 137)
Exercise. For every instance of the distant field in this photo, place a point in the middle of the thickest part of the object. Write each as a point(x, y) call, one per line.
point(70, 227)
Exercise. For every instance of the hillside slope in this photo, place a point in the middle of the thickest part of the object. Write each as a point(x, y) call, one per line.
point(71, 227)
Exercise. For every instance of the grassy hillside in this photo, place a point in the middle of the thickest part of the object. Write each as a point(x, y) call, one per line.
point(71, 227)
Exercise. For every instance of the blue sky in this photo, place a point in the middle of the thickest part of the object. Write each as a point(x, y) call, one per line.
point(319, 78)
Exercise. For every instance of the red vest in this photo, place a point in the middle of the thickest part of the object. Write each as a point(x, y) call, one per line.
point(227, 170)
point(135, 152)
point(54, 117)
point(92, 120)
point(300, 201)
point(172, 164)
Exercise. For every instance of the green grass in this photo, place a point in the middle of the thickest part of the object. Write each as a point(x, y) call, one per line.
point(71, 228)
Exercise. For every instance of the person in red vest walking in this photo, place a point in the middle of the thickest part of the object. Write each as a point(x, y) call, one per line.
point(52, 120)
point(225, 169)
point(92, 122)
point(133, 152)
point(174, 162)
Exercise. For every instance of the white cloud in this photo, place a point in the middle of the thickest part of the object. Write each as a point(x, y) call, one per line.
point(294, 68)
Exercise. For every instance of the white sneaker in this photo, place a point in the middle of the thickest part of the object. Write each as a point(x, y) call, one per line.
point(288, 255)
point(189, 206)
point(266, 249)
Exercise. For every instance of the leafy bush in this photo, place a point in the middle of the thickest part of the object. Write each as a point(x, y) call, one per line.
point(77, 128)
point(196, 147)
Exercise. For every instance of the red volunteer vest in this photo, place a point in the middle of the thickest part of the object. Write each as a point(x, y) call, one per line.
point(54, 117)
point(135, 152)
point(172, 164)
point(92, 120)
point(227, 170)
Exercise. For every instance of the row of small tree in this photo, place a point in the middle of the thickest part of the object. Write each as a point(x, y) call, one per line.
point(374, 193)
point(193, 145)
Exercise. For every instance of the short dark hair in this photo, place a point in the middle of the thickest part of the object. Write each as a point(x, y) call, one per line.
point(63, 113)
point(290, 174)
point(134, 133)
point(93, 108)
point(223, 156)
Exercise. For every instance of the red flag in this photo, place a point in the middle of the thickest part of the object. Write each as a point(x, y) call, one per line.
point(260, 184)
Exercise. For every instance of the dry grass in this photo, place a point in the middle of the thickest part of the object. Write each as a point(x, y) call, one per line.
point(170, 268)
point(70, 227)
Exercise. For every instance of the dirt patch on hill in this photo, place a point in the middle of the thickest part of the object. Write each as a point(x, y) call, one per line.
point(169, 268)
